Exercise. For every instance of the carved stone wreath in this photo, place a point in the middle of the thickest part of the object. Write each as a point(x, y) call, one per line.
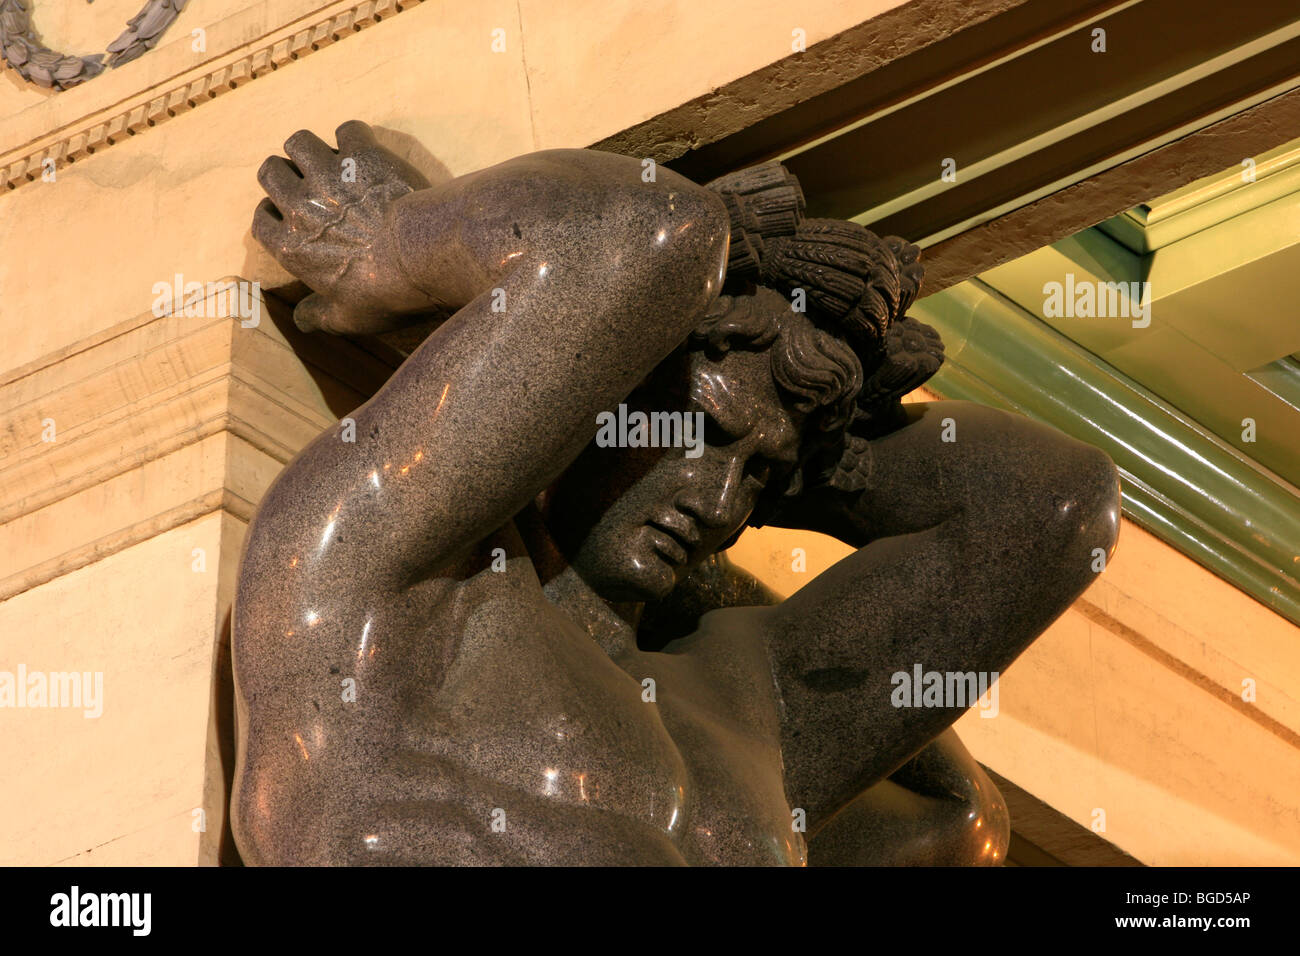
point(37, 63)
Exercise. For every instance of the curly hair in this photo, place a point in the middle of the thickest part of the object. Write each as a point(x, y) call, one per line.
point(821, 373)
point(829, 299)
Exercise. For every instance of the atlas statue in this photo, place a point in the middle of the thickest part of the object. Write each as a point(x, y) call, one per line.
point(466, 632)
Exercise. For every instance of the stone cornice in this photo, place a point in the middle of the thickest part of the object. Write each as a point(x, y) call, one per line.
point(157, 422)
point(188, 89)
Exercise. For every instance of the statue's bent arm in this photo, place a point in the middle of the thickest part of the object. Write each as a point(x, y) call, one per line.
point(934, 582)
point(555, 320)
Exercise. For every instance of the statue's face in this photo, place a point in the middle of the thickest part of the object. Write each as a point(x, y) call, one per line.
point(633, 520)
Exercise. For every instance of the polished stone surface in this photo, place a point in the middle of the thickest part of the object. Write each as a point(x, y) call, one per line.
point(468, 632)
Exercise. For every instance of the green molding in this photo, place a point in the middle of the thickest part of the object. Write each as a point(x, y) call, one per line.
point(1222, 308)
point(1180, 482)
point(1208, 202)
point(1280, 378)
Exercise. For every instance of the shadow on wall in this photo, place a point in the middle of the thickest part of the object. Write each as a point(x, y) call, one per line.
point(223, 723)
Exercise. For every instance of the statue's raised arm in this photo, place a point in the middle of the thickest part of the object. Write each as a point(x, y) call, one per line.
point(570, 277)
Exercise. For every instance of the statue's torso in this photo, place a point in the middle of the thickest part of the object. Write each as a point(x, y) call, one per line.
point(489, 726)
point(684, 741)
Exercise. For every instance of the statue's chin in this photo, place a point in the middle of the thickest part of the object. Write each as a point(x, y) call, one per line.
point(634, 582)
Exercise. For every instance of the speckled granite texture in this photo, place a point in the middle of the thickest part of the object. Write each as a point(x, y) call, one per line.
point(468, 632)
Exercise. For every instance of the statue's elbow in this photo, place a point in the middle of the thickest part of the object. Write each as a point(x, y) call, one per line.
point(1072, 527)
point(1089, 502)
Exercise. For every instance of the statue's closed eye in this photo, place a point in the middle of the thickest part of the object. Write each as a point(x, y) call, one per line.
point(759, 470)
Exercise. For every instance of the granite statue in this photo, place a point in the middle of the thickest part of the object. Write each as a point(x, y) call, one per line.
point(469, 632)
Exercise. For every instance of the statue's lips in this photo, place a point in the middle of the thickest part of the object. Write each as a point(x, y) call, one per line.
point(668, 545)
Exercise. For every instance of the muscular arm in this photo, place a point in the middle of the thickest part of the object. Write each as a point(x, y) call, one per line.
point(572, 278)
point(968, 549)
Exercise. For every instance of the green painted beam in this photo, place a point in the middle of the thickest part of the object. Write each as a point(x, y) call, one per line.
point(1180, 482)
point(1208, 202)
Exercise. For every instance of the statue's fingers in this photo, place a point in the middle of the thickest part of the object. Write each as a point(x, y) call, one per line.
point(281, 181)
point(311, 155)
point(355, 136)
point(312, 313)
point(268, 225)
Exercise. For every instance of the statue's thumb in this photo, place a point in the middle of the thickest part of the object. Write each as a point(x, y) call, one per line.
point(315, 313)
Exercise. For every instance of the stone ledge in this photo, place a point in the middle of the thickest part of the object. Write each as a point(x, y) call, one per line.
point(162, 383)
point(190, 88)
point(165, 420)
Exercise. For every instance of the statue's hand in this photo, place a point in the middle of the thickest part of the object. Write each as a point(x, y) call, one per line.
point(326, 221)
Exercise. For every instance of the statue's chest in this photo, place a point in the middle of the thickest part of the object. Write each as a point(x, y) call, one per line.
point(736, 813)
point(725, 728)
point(546, 712)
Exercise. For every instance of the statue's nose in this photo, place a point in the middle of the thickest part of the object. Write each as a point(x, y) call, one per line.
point(712, 501)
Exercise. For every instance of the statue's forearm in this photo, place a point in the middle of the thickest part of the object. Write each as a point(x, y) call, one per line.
point(426, 232)
point(882, 505)
point(568, 216)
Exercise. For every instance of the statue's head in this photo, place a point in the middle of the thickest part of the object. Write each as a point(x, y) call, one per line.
point(763, 400)
point(738, 407)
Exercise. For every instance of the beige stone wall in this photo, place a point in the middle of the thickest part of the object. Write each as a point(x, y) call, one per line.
point(131, 464)
point(120, 788)
point(119, 538)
